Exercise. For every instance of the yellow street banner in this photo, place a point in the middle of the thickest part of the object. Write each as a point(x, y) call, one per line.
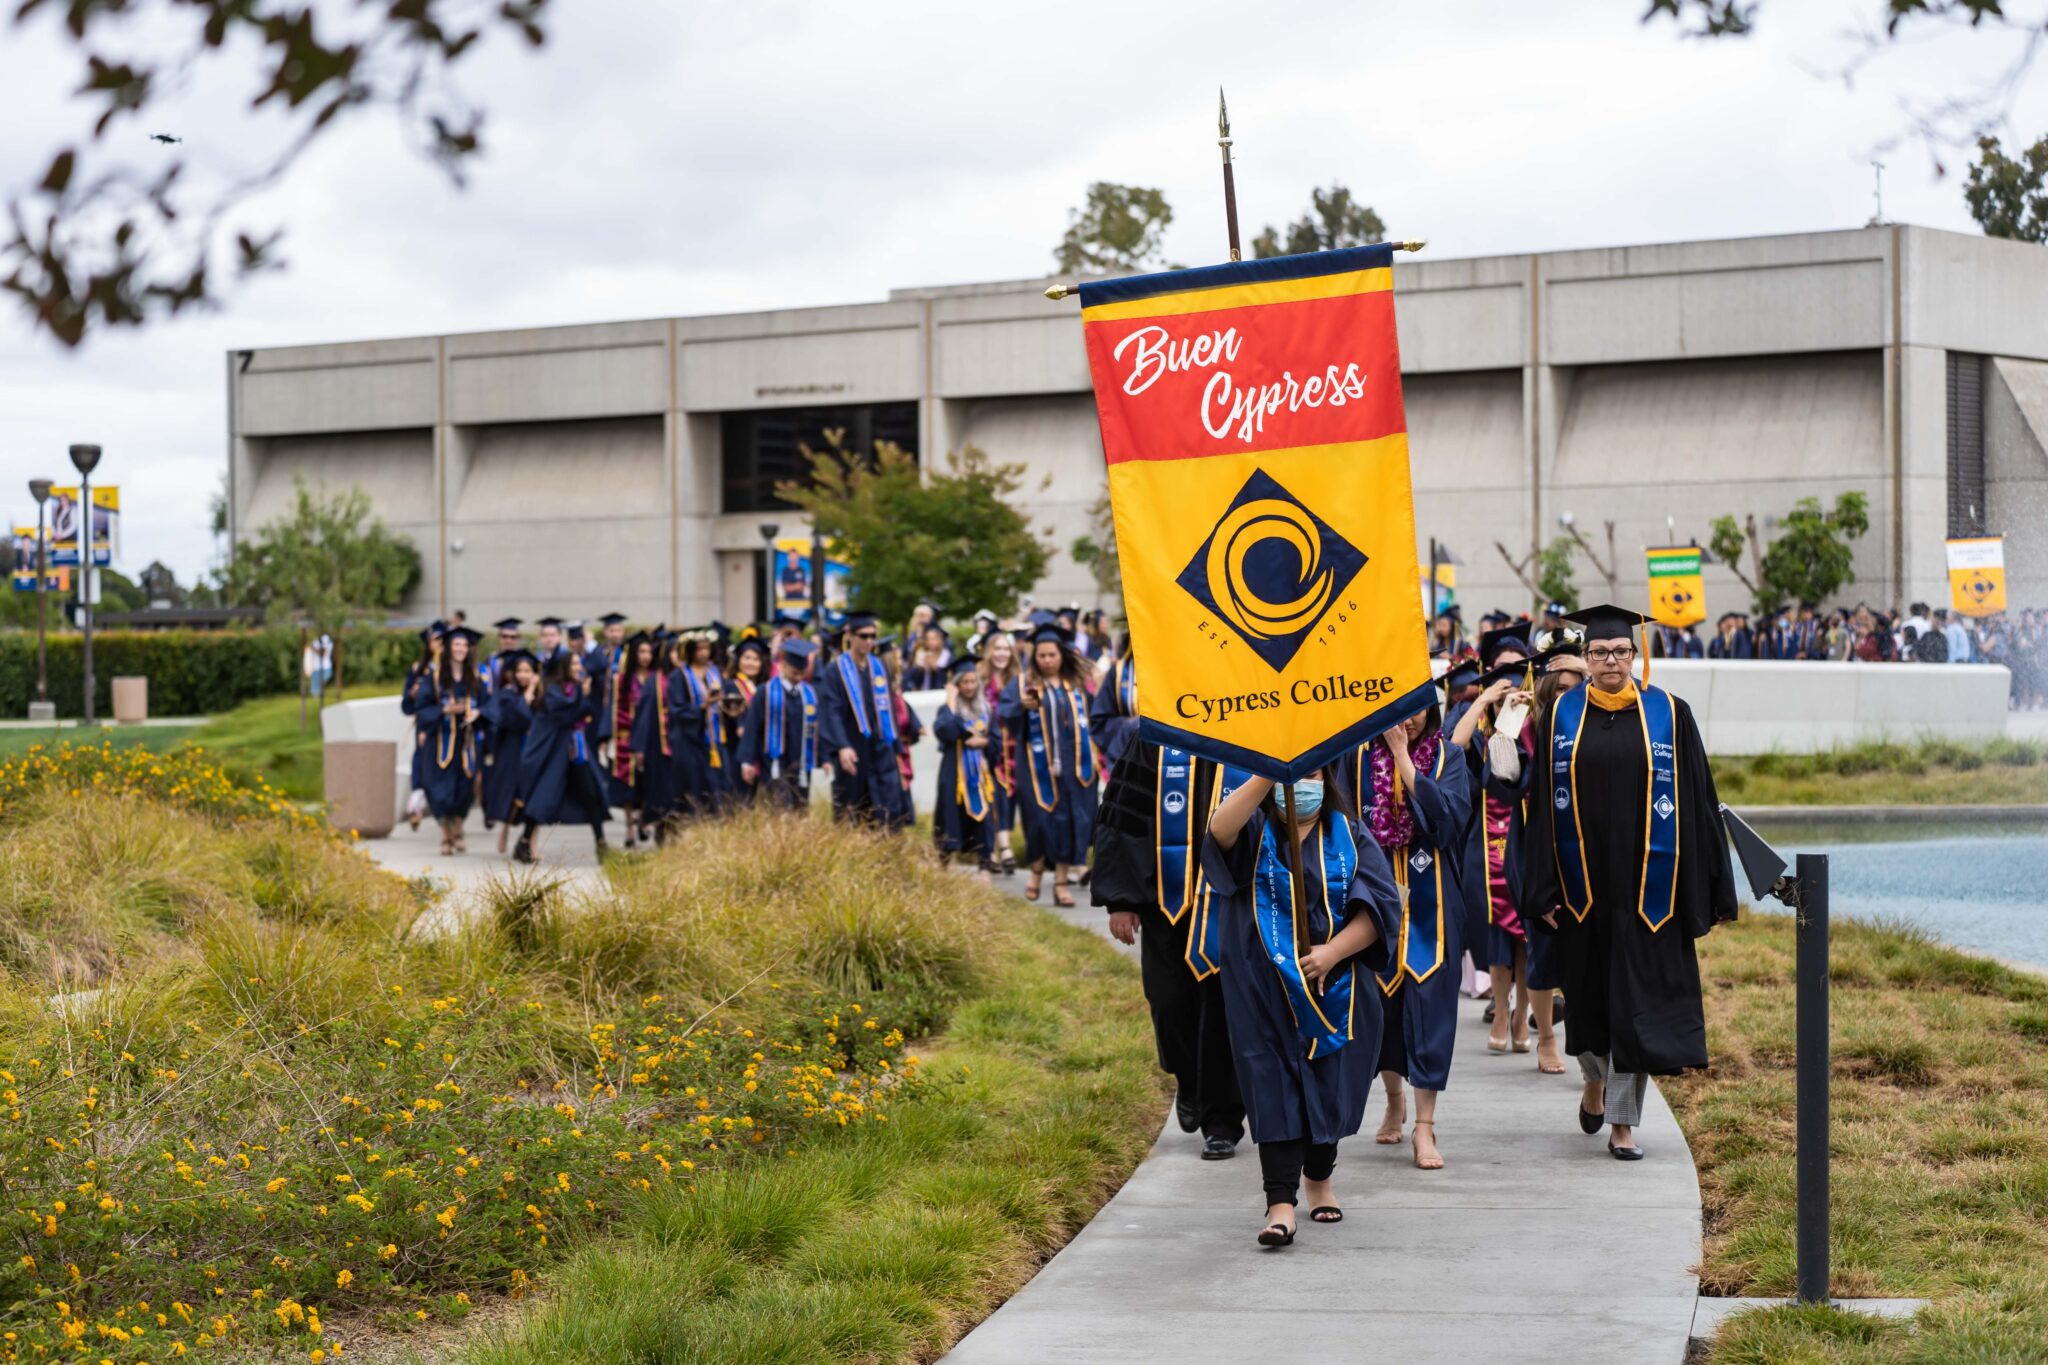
point(1265, 525)
point(1678, 595)
point(1976, 575)
point(65, 520)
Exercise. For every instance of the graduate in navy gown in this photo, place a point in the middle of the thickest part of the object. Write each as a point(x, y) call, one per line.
point(1298, 964)
point(621, 689)
point(909, 729)
point(559, 783)
point(730, 733)
point(1415, 800)
point(508, 714)
point(694, 720)
point(1113, 712)
point(449, 718)
point(493, 669)
point(964, 803)
point(779, 739)
point(665, 761)
point(1046, 712)
point(419, 680)
point(857, 723)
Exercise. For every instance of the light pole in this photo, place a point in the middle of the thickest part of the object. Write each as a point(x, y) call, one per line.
point(768, 531)
point(84, 458)
point(41, 709)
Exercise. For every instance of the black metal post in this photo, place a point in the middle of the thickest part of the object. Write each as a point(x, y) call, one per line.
point(42, 604)
point(817, 584)
point(85, 548)
point(1811, 975)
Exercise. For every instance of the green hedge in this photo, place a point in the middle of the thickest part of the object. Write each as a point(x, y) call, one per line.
point(190, 672)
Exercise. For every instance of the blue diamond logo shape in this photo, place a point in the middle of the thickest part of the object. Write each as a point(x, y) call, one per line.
point(1271, 569)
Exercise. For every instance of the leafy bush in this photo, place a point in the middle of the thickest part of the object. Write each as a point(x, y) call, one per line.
point(190, 673)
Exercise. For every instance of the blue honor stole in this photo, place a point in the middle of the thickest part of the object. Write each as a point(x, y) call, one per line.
point(1127, 688)
point(1419, 872)
point(1056, 704)
point(1323, 1022)
point(1173, 830)
point(706, 694)
point(1657, 893)
point(776, 705)
point(973, 785)
point(878, 690)
point(1205, 930)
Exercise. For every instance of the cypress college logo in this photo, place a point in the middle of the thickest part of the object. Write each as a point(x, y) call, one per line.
point(1271, 569)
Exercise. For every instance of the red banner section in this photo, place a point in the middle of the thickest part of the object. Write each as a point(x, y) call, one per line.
point(1272, 377)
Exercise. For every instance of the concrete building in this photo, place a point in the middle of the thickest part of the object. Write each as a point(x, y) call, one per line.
point(1652, 386)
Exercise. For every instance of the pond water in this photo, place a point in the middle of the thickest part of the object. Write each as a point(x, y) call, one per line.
point(1981, 885)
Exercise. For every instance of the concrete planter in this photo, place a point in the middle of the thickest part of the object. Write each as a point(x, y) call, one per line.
point(358, 785)
point(131, 701)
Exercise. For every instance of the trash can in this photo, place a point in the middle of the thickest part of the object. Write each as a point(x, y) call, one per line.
point(131, 701)
point(357, 784)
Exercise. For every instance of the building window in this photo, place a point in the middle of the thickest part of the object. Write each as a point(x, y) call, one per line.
point(1965, 444)
point(758, 450)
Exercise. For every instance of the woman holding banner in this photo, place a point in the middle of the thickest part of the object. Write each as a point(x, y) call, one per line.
point(1298, 956)
point(1046, 712)
point(1626, 863)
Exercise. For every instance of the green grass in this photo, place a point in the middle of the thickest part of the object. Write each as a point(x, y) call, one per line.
point(1940, 1147)
point(1930, 772)
point(16, 740)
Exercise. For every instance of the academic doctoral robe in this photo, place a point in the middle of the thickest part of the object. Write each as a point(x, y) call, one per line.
point(963, 804)
point(1634, 992)
point(449, 757)
point(621, 695)
point(1058, 805)
point(848, 718)
point(1287, 1093)
point(509, 719)
point(554, 741)
point(1420, 994)
point(1190, 1030)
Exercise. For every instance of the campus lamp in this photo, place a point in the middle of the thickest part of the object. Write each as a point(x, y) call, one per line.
point(85, 458)
point(40, 489)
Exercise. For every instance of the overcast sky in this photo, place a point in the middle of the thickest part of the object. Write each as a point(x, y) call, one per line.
point(663, 158)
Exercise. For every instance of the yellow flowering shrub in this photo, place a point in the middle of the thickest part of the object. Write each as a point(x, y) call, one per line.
point(187, 777)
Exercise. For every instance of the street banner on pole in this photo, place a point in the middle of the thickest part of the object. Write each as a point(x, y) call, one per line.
point(1265, 525)
point(64, 523)
point(1976, 575)
point(1678, 595)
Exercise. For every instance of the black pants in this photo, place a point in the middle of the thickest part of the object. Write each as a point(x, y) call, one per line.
point(1188, 1025)
point(1283, 1164)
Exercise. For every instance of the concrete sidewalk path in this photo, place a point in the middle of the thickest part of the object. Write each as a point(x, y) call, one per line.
point(565, 850)
point(1532, 1243)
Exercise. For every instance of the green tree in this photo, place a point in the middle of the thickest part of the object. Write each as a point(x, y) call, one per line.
point(1120, 230)
point(1729, 540)
point(1096, 551)
point(2008, 196)
point(1811, 559)
point(327, 562)
point(91, 242)
point(1554, 573)
point(1334, 219)
point(951, 535)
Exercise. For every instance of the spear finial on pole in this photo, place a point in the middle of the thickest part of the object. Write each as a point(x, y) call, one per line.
point(1229, 183)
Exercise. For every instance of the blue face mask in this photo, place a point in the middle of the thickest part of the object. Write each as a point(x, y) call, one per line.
point(1308, 800)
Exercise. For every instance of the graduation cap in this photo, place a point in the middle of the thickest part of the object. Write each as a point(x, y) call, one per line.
point(574, 630)
point(859, 620)
point(1041, 617)
point(927, 602)
point(1460, 675)
point(1556, 609)
point(1607, 622)
point(965, 663)
point(986, 615)
point(721, 633)
point(636, 639)
point(1050, 630)
point(798, 648)
point(612, 618)
point(754, 643)
point(885, 645)
point(1492, 642)
point(508, 625)
point(464, 633)
point(554, 621)
point(1514, 669)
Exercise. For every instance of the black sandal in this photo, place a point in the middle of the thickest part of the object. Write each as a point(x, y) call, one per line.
point(1590, 1123)
point(1326, 1213)
point(1277, 1235)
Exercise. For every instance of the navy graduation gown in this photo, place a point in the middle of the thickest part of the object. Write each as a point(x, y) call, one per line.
point(554, 741)
point(449, 757)
point(1515, 792)
point(1059, 809)
point(953, 828)
point(418, 679)
point(658, 784)
point(689, 740)
point(874, 791)
point(510, 718)
point(1478, 917)
point(1113, 712)
point(785, 776)
point(1287, 1094)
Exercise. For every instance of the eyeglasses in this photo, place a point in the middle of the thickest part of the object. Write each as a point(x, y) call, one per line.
point(1619, 655)
point(865, 634)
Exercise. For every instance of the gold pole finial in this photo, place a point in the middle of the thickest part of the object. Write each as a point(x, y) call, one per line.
point(1059, 291)
point(1222, 118)
point(1413, 244)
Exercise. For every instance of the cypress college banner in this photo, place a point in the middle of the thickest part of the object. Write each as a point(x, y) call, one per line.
point(1678, 595)
point(1976, 575)
point(1265, 527)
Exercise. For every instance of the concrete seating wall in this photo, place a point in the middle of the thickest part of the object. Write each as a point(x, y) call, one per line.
point(1761, 706)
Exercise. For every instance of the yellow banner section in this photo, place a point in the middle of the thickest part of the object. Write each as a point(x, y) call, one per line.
point(1678, 593)
point(1258, 680)
point(1976, 575)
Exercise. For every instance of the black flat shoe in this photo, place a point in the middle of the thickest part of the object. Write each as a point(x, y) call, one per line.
point(1489, 1014)
point(1624, 1153)
point(1590, 1123)
point(1184, 1113)
point(1326, 1213)
point(1218, 1149)
point(1278, 1235)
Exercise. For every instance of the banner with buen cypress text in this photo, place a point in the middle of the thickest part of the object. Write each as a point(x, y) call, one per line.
point(1265, 524)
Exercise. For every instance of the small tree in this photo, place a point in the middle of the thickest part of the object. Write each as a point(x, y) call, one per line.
point(952, 536)
point(1730, 540)
point(1120, 230)
point(1554, 573)
point(1811, 559)
point(2008, 196)
point(1096, 551)
point(328, 562)
point(1333, 220)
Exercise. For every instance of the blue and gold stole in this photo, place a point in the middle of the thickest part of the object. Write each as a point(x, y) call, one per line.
point(706, 694)
point(1127, 687)
point(1205, 932)
point(776, 705)
point(1418, 871)
point(973, 785)
point(1323, 1022)
point(878, 690)
point(1657, 892)
point(1056, 704)
point(1173, 830)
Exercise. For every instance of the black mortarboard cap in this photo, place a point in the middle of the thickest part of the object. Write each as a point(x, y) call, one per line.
point(549, 621)
point(753, 642)
point(885, 644)
point(574, 630)
point(508, 659)
point(796, 647)
point(1607, 622)
point(1462, 673)
point(1492, 642)
point(464, 633)
point(1051, 631)
point(859, 620)
point(1563, 649)
point(509, 623)
point(1516, 670)
point(721, 633)
point(613, 618)
point(961, 665)
point(1042, 617)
